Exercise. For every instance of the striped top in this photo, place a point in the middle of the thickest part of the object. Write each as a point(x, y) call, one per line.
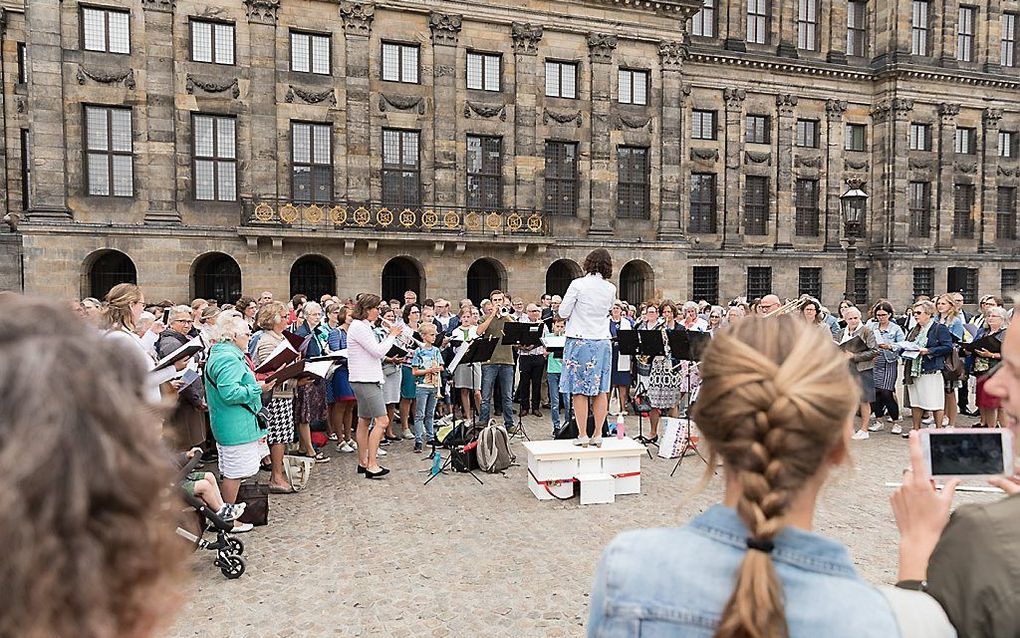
point(365, 353)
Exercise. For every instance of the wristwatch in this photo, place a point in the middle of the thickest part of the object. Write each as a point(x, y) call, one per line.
point(915, 585)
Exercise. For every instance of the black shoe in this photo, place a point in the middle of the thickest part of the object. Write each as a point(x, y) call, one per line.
point(393, 439)
point(361, 469)
point(970, 412)
point(385, 442)
point(523, 413)
point(537, 413)
point(374, 475)
point(546, 406)
point(417, 448)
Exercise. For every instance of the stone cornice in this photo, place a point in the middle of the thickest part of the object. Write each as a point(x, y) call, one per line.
point(679, 9)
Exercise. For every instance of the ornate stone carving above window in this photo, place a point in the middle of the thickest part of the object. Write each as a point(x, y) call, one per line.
point(856, 165)
point(401, 103)
point(1008, 172)
point(485, 110)
point(948, 111)
point(672, 55)
point(786, 103)
point(262, 11)
point(213, 87)
point(159, 5)
point(705, 154)
point(834, 109)
point(357, 17)
point(634, 122)
point(758, 157)
point(991, 118)
point(810, 161)
point(310, 97)
point(128, 77)
point(445, 28)
point(966, 167)
point(734, 98)
point(601, 47)
point(526, 37)
point(561, 118)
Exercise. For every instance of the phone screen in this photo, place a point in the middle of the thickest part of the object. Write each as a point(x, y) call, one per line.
point(966, 453)
point(166, 316)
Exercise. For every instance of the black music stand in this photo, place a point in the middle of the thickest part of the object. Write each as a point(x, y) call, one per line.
point(688, 345)
point(641, 343)
point(518, 333)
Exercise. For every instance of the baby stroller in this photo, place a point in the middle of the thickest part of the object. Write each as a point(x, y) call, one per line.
point(198, 519)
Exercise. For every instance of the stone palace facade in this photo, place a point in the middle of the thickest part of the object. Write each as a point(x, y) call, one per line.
point(205, 148)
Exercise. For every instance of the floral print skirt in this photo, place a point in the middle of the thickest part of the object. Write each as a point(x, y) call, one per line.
point(587, 366)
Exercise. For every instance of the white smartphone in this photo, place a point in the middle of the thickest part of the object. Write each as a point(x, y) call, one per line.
point(968, 453)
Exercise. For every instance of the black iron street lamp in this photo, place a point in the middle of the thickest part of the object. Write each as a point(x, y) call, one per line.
point(852, 205)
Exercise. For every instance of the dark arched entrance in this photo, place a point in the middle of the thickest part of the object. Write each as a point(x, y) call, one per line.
point(312, 276)
point(559, 276)
point(400, 275)
point(217, 276)
point(484, 276)
point(637, 282)
point(110, 268)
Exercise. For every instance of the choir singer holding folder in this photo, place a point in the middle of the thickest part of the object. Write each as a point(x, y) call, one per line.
point(364, 363)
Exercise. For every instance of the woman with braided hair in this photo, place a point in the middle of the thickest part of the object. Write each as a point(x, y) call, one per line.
point(774, 408)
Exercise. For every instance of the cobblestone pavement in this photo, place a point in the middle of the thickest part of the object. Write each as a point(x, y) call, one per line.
point(352, 557)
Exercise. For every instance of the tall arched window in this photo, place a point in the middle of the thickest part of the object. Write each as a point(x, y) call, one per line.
point(484, 276)
point(217, 276)
point(108, 269)
point(400, 275)
point(312, 276)
point(559, 276)
point(637, 282)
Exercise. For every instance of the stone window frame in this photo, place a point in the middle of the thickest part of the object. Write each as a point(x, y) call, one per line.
point(22, 76)
point(213, 50)
point(756, 205)
point(559, 208)
point(632, 175)
point(801, 134)
point(808, 32)
point(964, 197)
point(493, 179)
point(757, 128)
point(1005, 216)
point(857, 34)
point(109, 151)
point(698, 124)
point(214, 158)
point(560, 65)
point(485, 58)
point(920, 28)
point(699, 22)
point(311, 35)
point(402, 48)
point(1010, 145)
point(106, 11)
point(923, 281)
point(968, 287)
point(919, 136)
point(965, 140)
point(633, 74)
point(703, 213)
point(919, 208)
point(314, 130)
point(808, 211)
point(809, 282)
point(705, 284)
point(1007, 39)
point(966, 30)
point(850, 143)
point(761, 277)
point(401, 200)
point(759, 11)
point(1009, 282)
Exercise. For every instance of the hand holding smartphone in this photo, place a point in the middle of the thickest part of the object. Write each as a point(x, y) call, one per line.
point(967, 453)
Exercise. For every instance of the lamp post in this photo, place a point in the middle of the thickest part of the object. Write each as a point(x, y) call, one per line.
point(852, 205)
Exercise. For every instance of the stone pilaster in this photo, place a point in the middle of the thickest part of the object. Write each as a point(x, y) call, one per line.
point(944, 40)
point(898, 160)
point(734, 147)
point(160, 170)
point(445, 30)
point(833, 174)
point(785, 107)
point(46, 114)
point(837, 16)
point(988, 195)
point(526, 38)
point(991, 49)
point(265, 149)
point(736, 29)
point(357, 19)
point(944, 187)
point(601, 47)
point(671, 56)
point(787, 17)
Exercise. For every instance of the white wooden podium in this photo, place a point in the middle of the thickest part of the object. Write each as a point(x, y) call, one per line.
point(554, 466)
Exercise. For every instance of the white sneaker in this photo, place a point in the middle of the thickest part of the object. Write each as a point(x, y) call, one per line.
point(861, 435)
point(408, 435)
point(344, 447)
point(877, 426)
point(381, 452)
point(928, 421)
point(896, 429)
point(891, 420)
point(945, 421)
point(353, 444)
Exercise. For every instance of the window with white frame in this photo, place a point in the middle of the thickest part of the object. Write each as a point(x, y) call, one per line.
point(807, 134)
point(807, 25)
point(919, 27)
point(757, 21)
point(215, 158)
point(703, 22)
point(312, 163)
point(703, 125)
point(965, 142)
point(1007, 144)
point(105, 30)
point(309, 53)
point(212, 42)
point(633, 86)
point(1007, 48)
point(483, 71)
point(965, 34)
point(920, 136)
point(108, 151)
point(400, 63)
point(561, 79)
point(857, 28)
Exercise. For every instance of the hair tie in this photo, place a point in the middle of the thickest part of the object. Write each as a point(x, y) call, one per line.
point(763, 545)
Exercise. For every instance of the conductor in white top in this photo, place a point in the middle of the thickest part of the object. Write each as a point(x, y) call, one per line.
point(587, 356)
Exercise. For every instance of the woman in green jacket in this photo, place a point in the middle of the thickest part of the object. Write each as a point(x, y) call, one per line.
point(234, 398)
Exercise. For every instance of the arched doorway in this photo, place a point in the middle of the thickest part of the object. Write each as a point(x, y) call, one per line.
point(217, 276)
point(312, 276)
point(484, 276)
point(109, 268)
point(559, 276)
point(400, 275)
point(637, 282)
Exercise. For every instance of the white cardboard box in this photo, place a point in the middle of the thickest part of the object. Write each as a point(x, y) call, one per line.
point(556, 462)
point(597, 488)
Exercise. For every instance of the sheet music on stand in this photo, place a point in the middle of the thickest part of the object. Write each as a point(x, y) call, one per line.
point(475, 351)
point(646, 343)
point(688, 345)
point(554, 345)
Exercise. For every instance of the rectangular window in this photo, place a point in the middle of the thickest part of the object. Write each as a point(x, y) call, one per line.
point(757, 129)
point(924, 282)
point(965, 142)
point(919, 25)
point(401, 170)
point(26, 169)
point(483, 71)
point(1007, 48)
point(312, 163)
point(963, 208)
point(22, 63)
point(108, 151)
point(757, 21)
point(484, 172)
point(105, 30)
point(807, 25)
point(561, 178)
point(862, 285)
point(807, 134)
point(1005, 216)
point(703, 125)
point(965, 34)
point(920, 136)
point(1007, 144)
point(756, 205)
point(633, 86)
point(857, 28)
point(807, 208)
point(212, 42)
point(919, 203)
point(703, 23)
point(706, 284)
point(400, 63)
point(965, 281)
point(215, 158)
point(855, 137)
point(561, 79)
point(309, 53)
point(759, 282)
point(1009, 283)
point(703, 203)
point(632, 197)
point(809, 282)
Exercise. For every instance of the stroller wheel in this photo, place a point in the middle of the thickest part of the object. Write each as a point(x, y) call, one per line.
point(231, 565)
point(235, 546)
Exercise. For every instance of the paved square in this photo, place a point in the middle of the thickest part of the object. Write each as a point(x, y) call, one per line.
point(352, 557)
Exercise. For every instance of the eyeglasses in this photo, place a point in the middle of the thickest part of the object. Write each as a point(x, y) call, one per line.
point(917, 312)
point(183, 321)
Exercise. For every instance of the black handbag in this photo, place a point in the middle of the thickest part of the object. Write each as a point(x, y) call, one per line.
point(256, 499)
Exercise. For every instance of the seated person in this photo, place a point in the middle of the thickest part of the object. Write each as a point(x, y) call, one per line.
point(203, 485)
point(774, 409)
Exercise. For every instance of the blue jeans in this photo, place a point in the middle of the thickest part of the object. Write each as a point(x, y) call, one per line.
point(424, 412)
point(553, 379)
point(503, 373)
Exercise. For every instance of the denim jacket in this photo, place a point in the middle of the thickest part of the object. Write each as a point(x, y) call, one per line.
point(676, 581)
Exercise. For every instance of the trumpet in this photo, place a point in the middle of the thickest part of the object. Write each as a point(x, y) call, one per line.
point(793, 305)
point(504, 311)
